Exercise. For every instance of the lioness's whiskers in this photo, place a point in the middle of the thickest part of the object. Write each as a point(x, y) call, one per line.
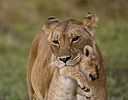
point(76, 58)
point(49, 65)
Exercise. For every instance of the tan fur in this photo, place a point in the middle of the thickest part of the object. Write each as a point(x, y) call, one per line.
point(98, 86)
point(90, 67)
point(44, 52)
point(90, 21)
point(90, 64)
point(63, 85)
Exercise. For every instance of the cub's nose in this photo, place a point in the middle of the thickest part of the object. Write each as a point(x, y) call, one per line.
point(64, 59)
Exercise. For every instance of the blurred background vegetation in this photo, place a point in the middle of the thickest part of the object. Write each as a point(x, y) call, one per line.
point(21, 20)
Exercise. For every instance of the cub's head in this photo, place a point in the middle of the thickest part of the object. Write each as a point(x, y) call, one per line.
point(89, 63)
point(67, 39)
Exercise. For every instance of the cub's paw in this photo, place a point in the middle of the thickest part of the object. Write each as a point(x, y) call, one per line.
point(87, 92)
point(84, 87)
point(89, 95)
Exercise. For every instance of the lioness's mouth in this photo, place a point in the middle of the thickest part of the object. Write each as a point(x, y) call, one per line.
point(73, 62)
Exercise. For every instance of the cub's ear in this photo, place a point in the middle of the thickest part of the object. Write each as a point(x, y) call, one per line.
point(88, 52)
point(89, 22)
point(50, 23)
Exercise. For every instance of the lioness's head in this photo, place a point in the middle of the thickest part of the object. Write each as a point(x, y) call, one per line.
point(67, 39)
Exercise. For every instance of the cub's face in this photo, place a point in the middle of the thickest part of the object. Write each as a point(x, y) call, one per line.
point(67, 41)
point(89, 63)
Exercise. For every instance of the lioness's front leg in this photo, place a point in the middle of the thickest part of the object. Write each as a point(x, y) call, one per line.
point(30, 63)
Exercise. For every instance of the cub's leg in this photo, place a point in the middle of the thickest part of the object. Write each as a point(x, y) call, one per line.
point(73, 73)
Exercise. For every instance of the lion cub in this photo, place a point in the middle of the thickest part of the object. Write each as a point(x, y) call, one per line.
point(68, 81)
point(89, 64)
point(90, 67)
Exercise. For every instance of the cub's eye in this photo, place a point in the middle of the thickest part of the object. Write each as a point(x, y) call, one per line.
point(55, 42)
point(75, 39)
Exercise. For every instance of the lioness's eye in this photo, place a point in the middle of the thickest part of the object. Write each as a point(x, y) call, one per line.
point(55, 42)
point(75, 39)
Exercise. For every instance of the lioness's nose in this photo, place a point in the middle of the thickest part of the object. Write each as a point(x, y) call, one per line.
point(64, 59)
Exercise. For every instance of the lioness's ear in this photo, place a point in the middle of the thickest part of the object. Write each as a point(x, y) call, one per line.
point(50, 23)
point(89, 22)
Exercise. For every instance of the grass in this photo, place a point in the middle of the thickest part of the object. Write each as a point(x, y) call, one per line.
point(25, 21)
point(13, 59)
point(112, 40)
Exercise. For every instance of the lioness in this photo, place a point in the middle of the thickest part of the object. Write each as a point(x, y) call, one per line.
point(63, 41)
point(63, 84)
